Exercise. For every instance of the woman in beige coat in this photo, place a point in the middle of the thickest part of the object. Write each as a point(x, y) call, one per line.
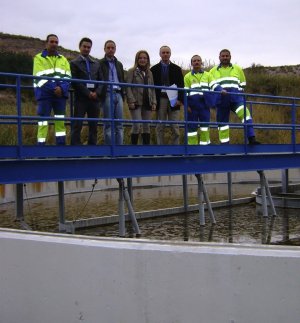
point(141, 101)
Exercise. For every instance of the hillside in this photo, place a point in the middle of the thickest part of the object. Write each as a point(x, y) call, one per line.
point(28, 45)
point(276, 70)
point(16, 52)
point(31, 46)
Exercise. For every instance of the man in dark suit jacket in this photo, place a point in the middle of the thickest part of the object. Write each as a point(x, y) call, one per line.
point(167, 74)
point(87, 94)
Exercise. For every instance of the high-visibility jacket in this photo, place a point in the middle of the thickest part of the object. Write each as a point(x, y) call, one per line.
point(203, 82)
point(200, 99)
point(230, 78)
point(50, 66)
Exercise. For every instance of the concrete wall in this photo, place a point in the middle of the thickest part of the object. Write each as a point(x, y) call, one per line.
point(48, 278)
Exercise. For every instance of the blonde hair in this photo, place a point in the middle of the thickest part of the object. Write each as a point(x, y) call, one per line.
point(137, 58)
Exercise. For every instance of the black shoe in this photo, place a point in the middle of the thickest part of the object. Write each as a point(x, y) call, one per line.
point(253, 141)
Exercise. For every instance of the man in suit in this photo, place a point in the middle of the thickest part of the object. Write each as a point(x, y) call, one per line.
point(166, 73)
point(87, 94)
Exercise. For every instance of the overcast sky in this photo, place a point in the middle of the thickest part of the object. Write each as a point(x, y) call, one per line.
point(263, 32)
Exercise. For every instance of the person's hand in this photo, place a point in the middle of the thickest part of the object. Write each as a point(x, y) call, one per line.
point(93, 95)
point(58, 92)
point(223, 92)
point(153, 108)
point(189, 110)
point(131, 106)
point(178, 104)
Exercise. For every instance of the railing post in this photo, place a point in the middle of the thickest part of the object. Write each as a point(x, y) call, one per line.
point(294, 125)
point(71, 108)
point(185, 106)
point(19, 112)
point(245, 123)
point(112, 120)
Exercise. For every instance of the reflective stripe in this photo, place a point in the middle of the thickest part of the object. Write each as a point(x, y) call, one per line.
point(60, 133)
point(204, 128)
point(224, 140)
point(213, 83)
point(40, 83)
point(43, 123)
point(229, 79)
point(228, 85)
point(60, 70)
point(247, 118)
point(45, 72)
point(204, 142)
point(59, 116)
point(229, 82)
point(241, 107)
point(41, 139)
point(195, 93)
point(224, 128)
point(190, 134)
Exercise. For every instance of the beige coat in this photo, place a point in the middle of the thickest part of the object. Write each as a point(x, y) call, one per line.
point(135, 94)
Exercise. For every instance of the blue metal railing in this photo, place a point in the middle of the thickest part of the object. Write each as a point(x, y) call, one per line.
point(22, 151)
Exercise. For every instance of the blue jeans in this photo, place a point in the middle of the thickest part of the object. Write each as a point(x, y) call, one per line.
point(113, 111)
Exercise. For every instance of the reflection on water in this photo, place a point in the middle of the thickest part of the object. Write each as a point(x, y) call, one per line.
point(239, 224)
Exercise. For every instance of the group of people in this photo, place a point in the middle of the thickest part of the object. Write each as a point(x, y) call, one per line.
point(219, 88)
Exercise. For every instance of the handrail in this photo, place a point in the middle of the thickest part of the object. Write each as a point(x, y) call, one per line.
point(20, 120)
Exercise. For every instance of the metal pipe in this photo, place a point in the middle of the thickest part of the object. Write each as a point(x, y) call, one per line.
point(285, 180)
point(271, 202)
point(263, 194)
point(131, 212)
point(129, 188)
point(229, 186)
point(61, 202)
point(208, 204)
point(185, 193)
point(122, 229)
point(19, 202)
point(200, 199)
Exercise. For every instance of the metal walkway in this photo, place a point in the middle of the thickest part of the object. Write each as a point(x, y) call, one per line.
point(29, 163)
point(22, 163)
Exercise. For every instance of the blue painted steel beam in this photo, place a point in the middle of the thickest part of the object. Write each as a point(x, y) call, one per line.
point(63, 169)
point(29, 152)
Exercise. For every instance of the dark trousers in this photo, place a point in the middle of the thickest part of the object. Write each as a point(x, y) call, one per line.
point(198, 113)
point(231, 102)
point(92, 110)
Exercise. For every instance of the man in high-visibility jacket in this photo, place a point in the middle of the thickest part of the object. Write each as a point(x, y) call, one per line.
point(51, 94)
point(232, 79)
point(199, 101)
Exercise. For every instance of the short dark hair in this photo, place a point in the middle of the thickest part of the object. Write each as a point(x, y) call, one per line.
point(163, 47)
point(51, 35)
point(109, 41)
point(195, 56)
point(225, 50)
point(85, 39)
